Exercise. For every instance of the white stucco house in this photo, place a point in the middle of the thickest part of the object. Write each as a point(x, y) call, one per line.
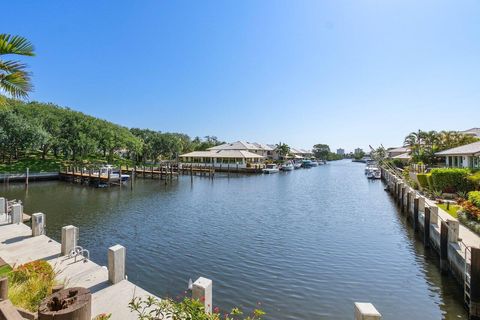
point(223, 158)
point(467, 156)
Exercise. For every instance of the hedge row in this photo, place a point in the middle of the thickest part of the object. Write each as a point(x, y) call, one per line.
point(451, 180)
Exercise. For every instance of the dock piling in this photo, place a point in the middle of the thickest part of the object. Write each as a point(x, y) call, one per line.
point(366, 311)
point(17, 213)
point(444, 247)
point(38, 224)
point(116, 263)
point(69, 239)
point(453, 230)
point(202, 290)
point(415, 213)
point(426, 225)
point(475, 284)
point(3, 206)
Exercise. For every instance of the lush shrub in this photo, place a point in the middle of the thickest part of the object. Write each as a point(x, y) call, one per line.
point(451, 180)
point(468, 222)
point(474, 179)
point(474, 197)
point(429, 181)
point(423, 180)
point(150, 308)
point(30, 283)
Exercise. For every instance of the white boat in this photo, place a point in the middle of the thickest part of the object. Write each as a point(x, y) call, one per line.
point(288, 166)
point(108, 169)
point(297, 165)
point(271, 168)
point(314, 163)
point(374, 173)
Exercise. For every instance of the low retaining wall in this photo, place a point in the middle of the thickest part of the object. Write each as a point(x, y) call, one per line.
point(21, 177)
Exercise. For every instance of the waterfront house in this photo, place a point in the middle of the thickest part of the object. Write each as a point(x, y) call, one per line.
point(467, 156)
point(253, 147)
point(225, 158)
point(401, 151)
point(474, 132)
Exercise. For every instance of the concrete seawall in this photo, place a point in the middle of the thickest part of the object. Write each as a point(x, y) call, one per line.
point(454, 243)
point(21, 177)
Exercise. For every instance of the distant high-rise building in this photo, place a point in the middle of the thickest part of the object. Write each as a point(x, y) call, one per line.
point(341, 152)
point(358, 151)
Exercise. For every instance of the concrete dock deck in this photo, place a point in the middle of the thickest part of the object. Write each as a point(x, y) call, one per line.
point(17, 246)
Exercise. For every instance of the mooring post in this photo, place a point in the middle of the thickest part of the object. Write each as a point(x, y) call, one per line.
point(116, 263)
point(17, 213)
point(69, 239)
point(402, 203)
point(3, 205)
point(38, 224)
point(415, 213)
point(421, 204)
point(202, 291)
point(26, 178)
point(434, 215)
point(131, 178)
point(453, 230)
point(409, 203)
point(399, 192)
point(426, 227)
point(443, 247)
point(3, 288)
point(366, 311)
point(475, 284)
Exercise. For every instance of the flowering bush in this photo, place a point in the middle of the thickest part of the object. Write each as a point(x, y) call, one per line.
point(150, 308)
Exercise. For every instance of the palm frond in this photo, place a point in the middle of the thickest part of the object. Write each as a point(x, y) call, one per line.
point(15, 45)
point(12, 66)
point(16, 84)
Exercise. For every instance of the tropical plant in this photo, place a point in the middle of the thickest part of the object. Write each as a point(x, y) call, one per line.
point(150, 308)
point(30, 283)
point(14, 78)
point(282, 149)
point(424, 144)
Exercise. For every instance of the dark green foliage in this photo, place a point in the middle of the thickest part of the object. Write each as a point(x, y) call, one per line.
point(474, 197)
point(38, 130)
point(422, 180)
point(430, 181)
point(450, 180)
point(475, 180)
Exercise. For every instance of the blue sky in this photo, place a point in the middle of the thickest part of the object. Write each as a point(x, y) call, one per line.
point(345, 73)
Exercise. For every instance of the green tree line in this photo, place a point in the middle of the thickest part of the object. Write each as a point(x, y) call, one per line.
point(50, 130)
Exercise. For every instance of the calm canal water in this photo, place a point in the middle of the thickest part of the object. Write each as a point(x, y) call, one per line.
point(303, 244)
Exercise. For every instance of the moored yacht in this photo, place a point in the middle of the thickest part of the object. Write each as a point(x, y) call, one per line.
point(271, 168)
point(114, 175)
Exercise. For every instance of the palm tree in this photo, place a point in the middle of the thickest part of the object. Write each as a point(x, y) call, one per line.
point(282, 149)
point(14, 79)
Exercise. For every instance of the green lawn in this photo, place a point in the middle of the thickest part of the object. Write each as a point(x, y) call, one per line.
point(35, 164)
point(452, 210)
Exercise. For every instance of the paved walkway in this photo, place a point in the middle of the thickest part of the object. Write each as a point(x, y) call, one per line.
point(17, 246)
